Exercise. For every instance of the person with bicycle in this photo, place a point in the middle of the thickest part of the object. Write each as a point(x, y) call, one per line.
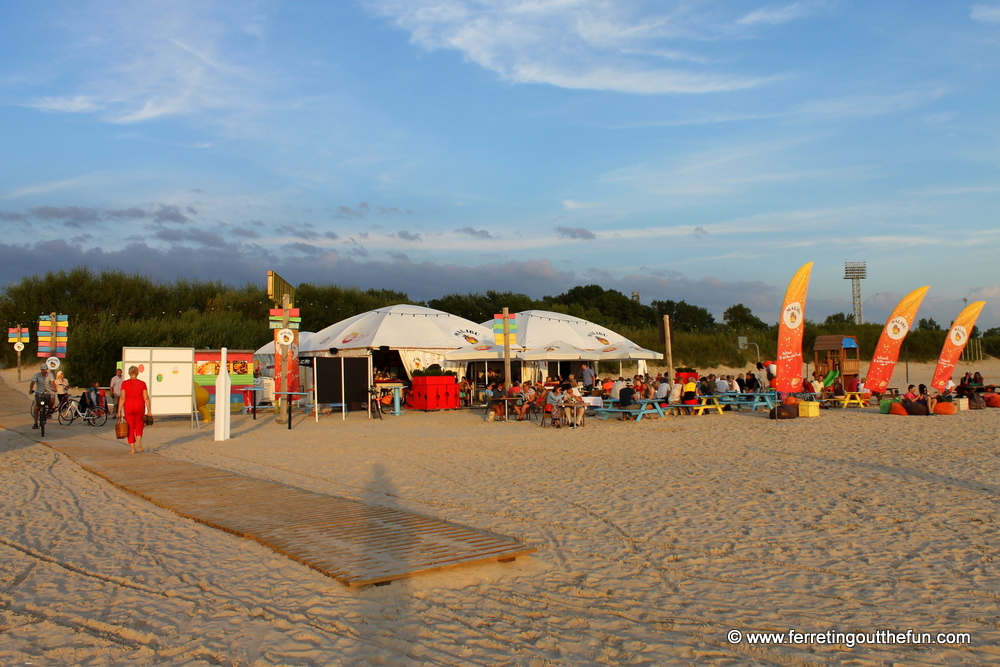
point(44, 389)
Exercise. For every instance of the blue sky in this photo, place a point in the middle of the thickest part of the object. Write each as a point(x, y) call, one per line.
point(690, 150)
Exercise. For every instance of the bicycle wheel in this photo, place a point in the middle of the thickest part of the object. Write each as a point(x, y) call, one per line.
point(97, 416)
point(43, 417)
point(68, 412)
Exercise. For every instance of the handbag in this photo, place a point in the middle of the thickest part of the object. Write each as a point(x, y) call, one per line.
point(121, 429)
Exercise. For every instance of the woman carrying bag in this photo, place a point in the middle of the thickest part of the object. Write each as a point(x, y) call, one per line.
point(134, 407)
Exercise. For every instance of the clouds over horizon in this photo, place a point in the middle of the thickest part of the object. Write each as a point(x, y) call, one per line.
point(589, 44)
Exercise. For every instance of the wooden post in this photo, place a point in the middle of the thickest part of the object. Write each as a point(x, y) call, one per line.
point(506, 352)
point(670, 349)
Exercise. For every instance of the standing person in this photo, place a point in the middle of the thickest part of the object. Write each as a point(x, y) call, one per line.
point(43, 387)
point(134, 406)
point(62, 384)
point(116, 387)
point(588, 375)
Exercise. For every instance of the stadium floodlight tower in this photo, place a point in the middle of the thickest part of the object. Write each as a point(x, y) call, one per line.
point(856, 272)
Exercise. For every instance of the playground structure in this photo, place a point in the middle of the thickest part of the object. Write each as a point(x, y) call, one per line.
point(840, 354)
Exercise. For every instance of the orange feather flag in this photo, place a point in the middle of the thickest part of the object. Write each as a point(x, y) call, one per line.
point(958, 336)
point(790, 330)
point(887, 351)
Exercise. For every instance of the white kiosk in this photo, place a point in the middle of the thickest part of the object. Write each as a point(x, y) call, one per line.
point(169, 376)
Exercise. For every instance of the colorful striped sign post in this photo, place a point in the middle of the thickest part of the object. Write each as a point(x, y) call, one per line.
point(52, 339)
point(18, 336)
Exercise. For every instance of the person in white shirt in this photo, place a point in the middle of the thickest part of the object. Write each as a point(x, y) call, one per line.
point(721, 385)
point(616, 389)
point(663, 390)
point(116, 388)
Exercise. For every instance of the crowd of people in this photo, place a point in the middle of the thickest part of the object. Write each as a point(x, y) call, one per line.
point(562, 399)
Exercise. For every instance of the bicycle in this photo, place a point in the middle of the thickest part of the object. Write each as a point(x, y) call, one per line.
point(375, 402)
point(43, 414)
point(95, 415)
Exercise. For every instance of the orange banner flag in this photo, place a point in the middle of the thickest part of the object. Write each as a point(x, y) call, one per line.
point(958, 336)
point(896, 328)
point(790, 330)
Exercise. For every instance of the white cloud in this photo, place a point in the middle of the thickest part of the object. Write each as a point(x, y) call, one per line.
point(137, 62)
point(985, 13)
point(771, 15)
point(578, 44)
point(74, 104)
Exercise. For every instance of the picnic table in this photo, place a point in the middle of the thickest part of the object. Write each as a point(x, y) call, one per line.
point(639, 407)
point(849, 397)
point(753, 400)
point(707, 402)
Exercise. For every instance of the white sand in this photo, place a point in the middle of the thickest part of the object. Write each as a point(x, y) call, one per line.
point(655, 539)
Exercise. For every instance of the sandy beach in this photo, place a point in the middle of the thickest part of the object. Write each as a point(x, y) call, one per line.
point(655, 540)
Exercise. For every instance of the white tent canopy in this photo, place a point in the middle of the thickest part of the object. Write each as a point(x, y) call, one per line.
point(542, 328)
point(399, 327)
point(421, 335)
point(481, 352)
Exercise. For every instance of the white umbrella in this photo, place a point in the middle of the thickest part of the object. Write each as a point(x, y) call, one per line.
point(623, 351)
point(559, 351)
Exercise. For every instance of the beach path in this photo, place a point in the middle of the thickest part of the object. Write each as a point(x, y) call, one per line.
point(355, 543)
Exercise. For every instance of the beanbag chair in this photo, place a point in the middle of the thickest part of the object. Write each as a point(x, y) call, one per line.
point(976, 402)
point(897, 409)
point(784, 412)
point(992, 401)
point(945, 409)
point(915, 409)
point(791, 400)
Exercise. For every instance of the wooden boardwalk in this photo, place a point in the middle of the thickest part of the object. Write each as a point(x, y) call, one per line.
point(355, 543)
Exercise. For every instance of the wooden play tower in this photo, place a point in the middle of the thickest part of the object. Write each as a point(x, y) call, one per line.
point(838, 353)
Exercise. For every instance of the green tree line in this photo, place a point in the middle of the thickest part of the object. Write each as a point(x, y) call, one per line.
point(111, 309)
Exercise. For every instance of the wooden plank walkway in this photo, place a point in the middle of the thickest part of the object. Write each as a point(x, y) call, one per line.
point(355, 543)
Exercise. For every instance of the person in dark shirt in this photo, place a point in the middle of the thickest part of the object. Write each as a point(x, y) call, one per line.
point(626, 398)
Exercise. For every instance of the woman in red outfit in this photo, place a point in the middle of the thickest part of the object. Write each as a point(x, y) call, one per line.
point(134, 406)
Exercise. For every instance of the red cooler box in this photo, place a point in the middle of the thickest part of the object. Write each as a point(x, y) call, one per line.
point(434, 392)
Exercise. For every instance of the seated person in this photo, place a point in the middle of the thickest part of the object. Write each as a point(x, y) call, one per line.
point(662, 389)
point(520, 404)
point(496, 405)
point(626, 398)
point(948, 394)
point(573, 406)
point(852, 384)
point(911, 393)
point(924, 398)
point(553, 405)
point(689, 392)
point(91, 398)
